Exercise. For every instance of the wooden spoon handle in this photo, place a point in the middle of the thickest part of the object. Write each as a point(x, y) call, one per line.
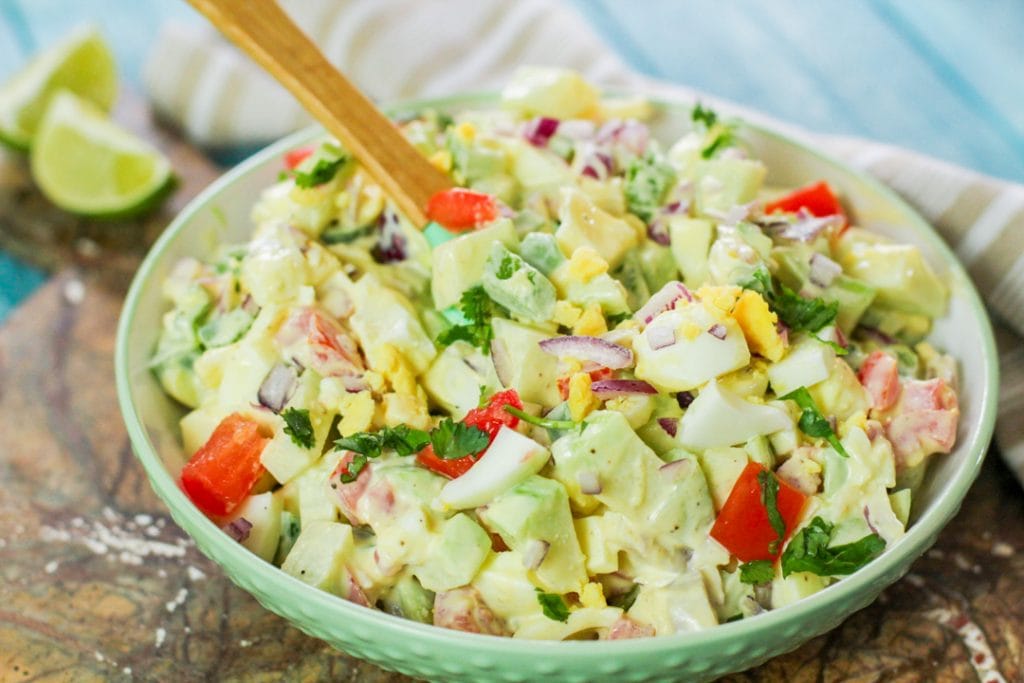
point(268, 35)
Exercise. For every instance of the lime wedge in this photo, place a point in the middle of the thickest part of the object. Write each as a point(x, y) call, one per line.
point(81, 63)
point(86, 164)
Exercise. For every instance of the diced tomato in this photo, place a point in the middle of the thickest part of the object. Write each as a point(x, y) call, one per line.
point(316, 340)
point(460, 209)
point(223, 471)
point(879, 373)
point(923, 421)
point(295, 157)
point(817, 198)
point(489, 418)
point(742, 525)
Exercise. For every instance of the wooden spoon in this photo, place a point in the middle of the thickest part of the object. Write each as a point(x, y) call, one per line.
point(269, 36)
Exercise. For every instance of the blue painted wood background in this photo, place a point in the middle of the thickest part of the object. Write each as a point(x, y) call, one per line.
point(943, 77)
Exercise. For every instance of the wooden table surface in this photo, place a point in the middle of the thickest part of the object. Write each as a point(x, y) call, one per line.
point(97, 583)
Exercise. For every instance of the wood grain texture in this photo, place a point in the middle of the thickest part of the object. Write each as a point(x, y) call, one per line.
point(98, 584)
point(269, 36)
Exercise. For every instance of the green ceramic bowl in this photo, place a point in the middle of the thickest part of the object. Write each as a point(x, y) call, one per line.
point(222, 213)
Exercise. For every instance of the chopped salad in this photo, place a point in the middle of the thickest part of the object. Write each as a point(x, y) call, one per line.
point(617, 388)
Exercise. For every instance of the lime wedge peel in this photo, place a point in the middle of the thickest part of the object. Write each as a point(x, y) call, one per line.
point(86, 164)
point(81, 63)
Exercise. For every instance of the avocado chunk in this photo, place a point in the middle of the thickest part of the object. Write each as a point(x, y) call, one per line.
point(456, 556)
point(723, 183)
point(658, 265)
point(584, 224)
point(537, 511)
point(457, 378)
point(540, 250)
point(903, 279)
point(408, 599)
point(648, 179)
point(631, 275)
point(691, 243)
point(318, 556)
point(530, 371)
point(459, 263)
point(515, 284)
point(609, 450)
point(853, 296)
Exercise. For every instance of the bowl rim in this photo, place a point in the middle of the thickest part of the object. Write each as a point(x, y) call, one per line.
point(272, 579)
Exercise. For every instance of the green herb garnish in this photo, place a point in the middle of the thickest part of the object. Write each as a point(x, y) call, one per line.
point(757, 572)
point(478, 309)
point(542, 421)
point(809, 551)
point(298, 426)
point(769, 498)
point(704, 116)
point(323, 171)
point(722, 134)
point(452, 440)
point(795, 311)
point(615, 318)
point(812, 422)
point(402, 439)
point(509, 265)
point(553, 605)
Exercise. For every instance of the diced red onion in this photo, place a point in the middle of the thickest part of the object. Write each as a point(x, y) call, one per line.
point(595, 163)
point(841, 338)
point(657, 230)
point(732, 215)
point(539, 130)
point(502, 362)
point(677, 468)
point(534, 553)
point(576, 129)
point(277, 387)
point(783, 331)
point(805, 228)
point(610, 388)
point(823, 270)
point(354, 383)
point(390, 245)
point(867, 518)
point(662, 300)
point(604, 353)
point(877, 335)
point(669, 424)
point(684, 399)
point(589, 482)
point(249, 305)
point(717, 331)
point(660, 336)
point(238, 529)
point(631, 135)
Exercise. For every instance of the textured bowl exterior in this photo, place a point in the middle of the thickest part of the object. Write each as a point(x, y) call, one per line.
point(438, 654)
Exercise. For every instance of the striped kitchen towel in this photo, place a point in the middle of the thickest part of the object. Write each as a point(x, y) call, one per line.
point(397, 49)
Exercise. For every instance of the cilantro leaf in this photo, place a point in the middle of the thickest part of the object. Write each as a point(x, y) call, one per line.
point(812, 422)
point(452, 440)
point(723, 139)
point(769, 498)
point(478, 309)
point(509, 265)
point(757, 572)
point(809, 551)
point(794, 310)
point(615, 318)
point(323, 171)
point(625, 600)
point(298, 426)
point(402, 439)
point(703, 115)
point(553, 605)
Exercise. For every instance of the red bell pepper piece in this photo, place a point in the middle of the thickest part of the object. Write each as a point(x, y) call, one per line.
point(490, 419)
point(295, 157)
point(817, 198)
point(460, 209)
point(742, 525)
point(223, 471)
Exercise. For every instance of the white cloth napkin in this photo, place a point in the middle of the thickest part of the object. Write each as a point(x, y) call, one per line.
point(399, 49)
